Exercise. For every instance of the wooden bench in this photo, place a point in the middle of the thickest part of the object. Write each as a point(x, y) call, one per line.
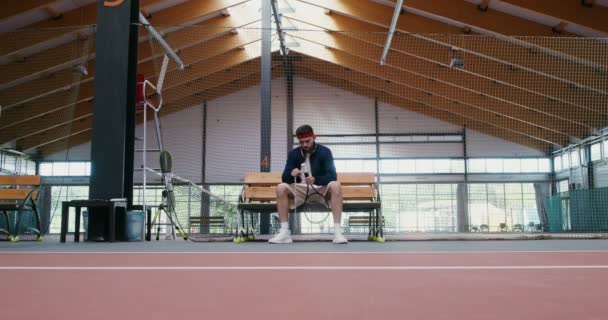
point(19, 194)
point(360, 222)
point(197, 224)
point(359, 192)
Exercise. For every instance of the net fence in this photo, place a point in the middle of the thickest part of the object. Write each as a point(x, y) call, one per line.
point(469, 136)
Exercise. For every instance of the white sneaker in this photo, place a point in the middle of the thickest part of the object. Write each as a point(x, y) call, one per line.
point(340, 238)
point(282, 237)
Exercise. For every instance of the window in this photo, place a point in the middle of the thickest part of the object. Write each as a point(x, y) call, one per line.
point(46, 169)
point(442, 166)
point(544, 165)
point(493, 204)
point(424, 166)
point(10, 163)
point(565, 161)
point(59, 168)
point(575, 160)
point(407, 166)
point(512, 165)
point(477, 165)
point(557, 163)
point(16, 163)
point(419, 207)
point(494, 165)
point(77, 169)
point(65, 193)
point(530, 165)
point(596, 151)
point(30, 167)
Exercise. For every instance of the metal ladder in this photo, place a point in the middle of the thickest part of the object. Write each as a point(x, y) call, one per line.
point(144, 150)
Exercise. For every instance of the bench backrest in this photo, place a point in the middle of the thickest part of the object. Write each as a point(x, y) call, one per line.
point(14, 187)
point(274, 178)
point(261, 186)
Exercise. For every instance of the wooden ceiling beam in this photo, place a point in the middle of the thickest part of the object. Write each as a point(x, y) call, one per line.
point(55, 134)
point(437, 113)
point(429, 92)
point(87, 15)
point(61, 145)
point(359, 73)
point(593, 17)
point(216, 41)
point(455, 82)
point(177, 86)
point(208, 94)
point(79, 51)
point(21, 7)
point(589, 57)
point(494, 79)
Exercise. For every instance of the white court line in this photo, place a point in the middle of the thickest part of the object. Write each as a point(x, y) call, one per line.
point(300, 252)
point(305, 268)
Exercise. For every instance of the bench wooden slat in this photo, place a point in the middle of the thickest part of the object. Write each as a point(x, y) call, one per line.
point(16, 194)
point(347, 206)
point(354, 178)
point(263, 178)
point(274, 178)
point(348, 193)
point(360, 220)
point(212, 220)
point(14, 180)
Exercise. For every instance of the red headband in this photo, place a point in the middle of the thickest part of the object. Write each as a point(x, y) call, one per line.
point(306, 135)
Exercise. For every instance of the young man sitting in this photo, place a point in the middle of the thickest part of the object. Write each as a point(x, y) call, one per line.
point(309, 177)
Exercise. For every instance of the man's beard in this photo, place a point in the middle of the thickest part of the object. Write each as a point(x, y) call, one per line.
point(308, 149)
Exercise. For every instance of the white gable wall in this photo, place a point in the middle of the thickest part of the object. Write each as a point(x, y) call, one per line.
point(233, 131)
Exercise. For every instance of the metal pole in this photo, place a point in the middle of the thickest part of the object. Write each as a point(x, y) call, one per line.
point(377, 142)
point(391, 31)
point(162, 41)
point(465, 190)
point(265, 119)
point(275, 13)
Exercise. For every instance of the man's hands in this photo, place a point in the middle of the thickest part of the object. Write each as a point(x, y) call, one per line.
point(310, 180)
point(296, 172)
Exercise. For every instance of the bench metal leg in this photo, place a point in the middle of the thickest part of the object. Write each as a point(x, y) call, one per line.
point(240, 225)
point(8, 224)
point(38, 221)
point(64, 221)
point(379, 226)
point(112, 218)
point(77, 226)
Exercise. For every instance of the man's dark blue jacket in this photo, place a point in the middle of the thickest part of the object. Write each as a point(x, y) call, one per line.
point(321, 163)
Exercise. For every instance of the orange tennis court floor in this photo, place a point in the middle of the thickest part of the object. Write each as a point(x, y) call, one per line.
point(550, 279)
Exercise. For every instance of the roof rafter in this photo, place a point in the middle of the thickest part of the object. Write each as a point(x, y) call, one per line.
point(571, 11)
point(211, 93)
point(458, 80)
point(497, 80)
point(23, 6)
point(422, 108)
point(50, 30)
point(49, 93)
point(376, 14)
point(217, 54)
point(392, 80)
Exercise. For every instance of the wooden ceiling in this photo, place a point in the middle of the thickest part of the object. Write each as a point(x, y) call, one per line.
point(536, 72)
